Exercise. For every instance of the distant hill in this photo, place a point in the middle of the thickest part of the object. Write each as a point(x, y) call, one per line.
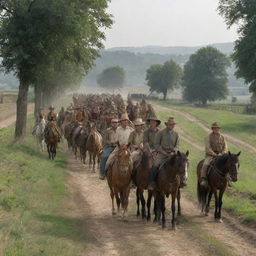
point(226, 48)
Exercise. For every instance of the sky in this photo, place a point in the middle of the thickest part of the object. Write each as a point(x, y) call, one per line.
point(167, 23)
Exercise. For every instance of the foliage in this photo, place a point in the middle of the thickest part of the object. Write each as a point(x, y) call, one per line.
point(113, 77)
point(243, 13)
point(205, 76)
point(161, 78)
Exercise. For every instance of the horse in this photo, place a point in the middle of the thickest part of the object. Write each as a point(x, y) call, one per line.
point(172, 174)
point(222, 167)
point(94, 145)
point(39, 133)
point(141, 179)
point(51, 139)
point(119, 179)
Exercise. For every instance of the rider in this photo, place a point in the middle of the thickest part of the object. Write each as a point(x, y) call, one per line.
point(52, 119)
point(122, 134)
point(215, 145)
point(110, 144)
point(150, 133)
point(166, 142)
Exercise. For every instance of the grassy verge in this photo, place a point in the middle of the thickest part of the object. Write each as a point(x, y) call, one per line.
point(32, 194)
point(237, 199)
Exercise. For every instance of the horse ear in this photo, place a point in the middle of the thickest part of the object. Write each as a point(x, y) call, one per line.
point(187, 153)
point(229, 153)
point(238, 154)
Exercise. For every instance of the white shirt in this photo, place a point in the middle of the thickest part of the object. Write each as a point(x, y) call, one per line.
point(123, 134)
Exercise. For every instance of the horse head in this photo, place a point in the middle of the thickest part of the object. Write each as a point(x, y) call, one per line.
point(123, 160)
point(182, 163)
point(233, 165)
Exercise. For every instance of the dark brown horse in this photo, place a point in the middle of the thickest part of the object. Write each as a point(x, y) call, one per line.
point(142, 176)
point(219, 172)
point(172, 174)
point(119, 179)
point(51, 139)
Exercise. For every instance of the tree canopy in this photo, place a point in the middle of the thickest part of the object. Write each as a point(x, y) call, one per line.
point(205, 76)
point(243, 14)
point(163, 78)
point(39, 39)
point(112, 77)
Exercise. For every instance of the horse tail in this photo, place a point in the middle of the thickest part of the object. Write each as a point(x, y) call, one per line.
point(202, 194)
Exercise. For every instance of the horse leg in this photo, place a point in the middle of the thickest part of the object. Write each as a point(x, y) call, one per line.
point(163, 209)
point(220, 204)
point(178, 199)
point(207, 208)
point(143, 204)
point(138, 202)
point(216, 204)
point(48, 149)
point(126, 198)
point(149, 204)
point(174, 195)
point(94, 161)
point(113, 204)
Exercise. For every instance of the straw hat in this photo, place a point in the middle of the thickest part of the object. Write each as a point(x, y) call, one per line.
point(124, 117)
point(154, 118)
point(171, 120)
point(114, 120)
point(215, 125)
point(51, 107)
point(138, 121)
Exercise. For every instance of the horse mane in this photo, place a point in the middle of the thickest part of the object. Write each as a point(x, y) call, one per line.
point(170, 160)
point(221, 160)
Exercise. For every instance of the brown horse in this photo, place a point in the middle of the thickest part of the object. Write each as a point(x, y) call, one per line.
point(94, 145)
point(219, 171)
point(142, 176)
point(51, 140)
point(119, 179)
point(172, 174)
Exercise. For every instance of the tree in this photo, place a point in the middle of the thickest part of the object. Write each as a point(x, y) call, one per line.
point(112, 78)
point(243, 13)
point(205, 76)
point(163, 78)
point(40, 35)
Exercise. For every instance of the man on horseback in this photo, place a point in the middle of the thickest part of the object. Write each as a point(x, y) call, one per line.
point(215, 145)
point(52, 123)
point(122, 135)
point(166, 143)
point(150, 133)
point(110, 144)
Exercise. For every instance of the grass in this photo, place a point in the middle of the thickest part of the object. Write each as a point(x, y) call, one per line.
point(32, 194)
point(239, 202)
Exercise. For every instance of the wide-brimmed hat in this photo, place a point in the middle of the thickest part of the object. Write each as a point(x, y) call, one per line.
point(215, 125)
point(124, 116)
point(51, 107)
point(114, 120)
point(138, 121)
point(154, 118)
point(171, 120)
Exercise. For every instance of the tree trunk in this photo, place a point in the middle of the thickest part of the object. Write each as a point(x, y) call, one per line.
point(38, 99)
point(22, 104)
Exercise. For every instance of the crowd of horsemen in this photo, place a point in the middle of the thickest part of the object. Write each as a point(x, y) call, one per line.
point(128, 125)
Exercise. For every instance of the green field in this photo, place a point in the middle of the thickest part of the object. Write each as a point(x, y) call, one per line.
point(240, 199)
point(32, 202)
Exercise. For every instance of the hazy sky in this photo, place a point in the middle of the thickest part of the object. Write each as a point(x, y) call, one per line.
point(167, 23)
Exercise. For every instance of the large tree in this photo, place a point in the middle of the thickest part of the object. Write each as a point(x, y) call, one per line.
point(112, 78)
point(35, 34)
point(164, 78)
point(205, 76)
point(243, 14)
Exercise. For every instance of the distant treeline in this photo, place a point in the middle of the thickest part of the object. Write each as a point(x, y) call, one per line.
point(136, 64)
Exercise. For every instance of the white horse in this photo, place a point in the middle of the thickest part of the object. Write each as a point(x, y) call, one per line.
point(39, 133)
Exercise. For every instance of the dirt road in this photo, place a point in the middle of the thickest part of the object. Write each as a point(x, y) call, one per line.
point(103, 234)
point(11, 113)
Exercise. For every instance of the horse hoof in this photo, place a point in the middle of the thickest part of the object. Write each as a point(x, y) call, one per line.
point(114, 213)
point(206, 214)
point(219, 220)
point(179, 214)
point(174, 228)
